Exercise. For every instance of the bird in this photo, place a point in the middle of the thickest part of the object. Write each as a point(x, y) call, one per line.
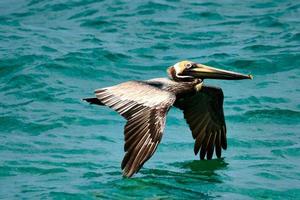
point(145, 104)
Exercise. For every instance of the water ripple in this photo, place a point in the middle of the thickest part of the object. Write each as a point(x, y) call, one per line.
point(53, 54)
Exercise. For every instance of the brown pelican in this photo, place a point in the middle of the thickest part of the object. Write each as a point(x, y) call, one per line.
point(145, 104)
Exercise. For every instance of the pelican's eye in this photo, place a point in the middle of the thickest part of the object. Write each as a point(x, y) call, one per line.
point(189, 65)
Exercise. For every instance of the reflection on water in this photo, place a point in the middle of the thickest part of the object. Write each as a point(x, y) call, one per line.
point(177, 180)
point(157, 184)
point(203, 166)
point(204, 170)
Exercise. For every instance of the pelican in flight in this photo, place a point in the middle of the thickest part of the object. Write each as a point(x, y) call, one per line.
point(145, 104)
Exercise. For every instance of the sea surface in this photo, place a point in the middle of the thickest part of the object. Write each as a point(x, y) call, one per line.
point(54, 53)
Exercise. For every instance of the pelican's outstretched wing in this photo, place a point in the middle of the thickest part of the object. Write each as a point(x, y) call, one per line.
point(203, 112)
point(145, 108)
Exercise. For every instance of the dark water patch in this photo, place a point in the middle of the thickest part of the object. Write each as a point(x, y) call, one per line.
point(252, 99)
point(287, 152)
point(24, 80)
point(22, 14)
point(205, 4)
point(265, 84)
point(282, 116)
point(272, 22)
point(205, 15)
point(229, 23)
point(123, 15)
point(10, 124)
point(42, 143)
point(8, 104)
point(104, 138)
point(196, 36)
point(48, 49)
point(60, 28)
point(219, 56)
point(92, 39)
point(293, 7)
point(57, 7)
point(43, 96)
point(115, 57)
point(268, 65)
point(279, 112)
point(186, 45)
point(7, 21)
point(152, 22)
point(169, 58)
point(5, 171)
point(268, 175)
point(155, 6)
point(96, 23)
point(261, 47)
point(295, 37)
point(92, 175)
point(109, 30)
point(12, 37)
point(107, 57)
point(60, 68)
point(210, 45)
point(83, 14)
point(146, 12)
point(242, 64)
point(116, 8)
point(16, 64)
point(262, 100)
point(5, 70)
point(274, 100)
point(34, 2)
point(161, 46)
point(263, 5)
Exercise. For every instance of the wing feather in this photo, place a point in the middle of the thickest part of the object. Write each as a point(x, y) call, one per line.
point(145, 108)
point(204, 114)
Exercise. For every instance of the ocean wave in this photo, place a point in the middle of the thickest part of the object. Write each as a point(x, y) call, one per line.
point(53, 54)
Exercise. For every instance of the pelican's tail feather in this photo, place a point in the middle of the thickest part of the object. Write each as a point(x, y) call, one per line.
point(93, 101)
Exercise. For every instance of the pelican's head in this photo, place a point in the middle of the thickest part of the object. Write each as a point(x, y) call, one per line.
point(187, 71)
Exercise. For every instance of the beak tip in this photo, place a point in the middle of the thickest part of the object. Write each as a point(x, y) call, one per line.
point(250, 76)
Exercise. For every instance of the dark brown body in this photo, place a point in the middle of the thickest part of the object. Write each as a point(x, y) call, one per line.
point(178, 88)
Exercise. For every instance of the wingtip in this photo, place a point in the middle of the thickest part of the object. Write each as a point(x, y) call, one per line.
point(127, 174)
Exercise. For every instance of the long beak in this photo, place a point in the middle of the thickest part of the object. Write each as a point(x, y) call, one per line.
point(206, 72)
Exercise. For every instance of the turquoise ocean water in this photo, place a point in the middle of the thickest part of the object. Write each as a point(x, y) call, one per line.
point(53, 53)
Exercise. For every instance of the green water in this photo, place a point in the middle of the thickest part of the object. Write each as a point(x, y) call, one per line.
point(53, 53)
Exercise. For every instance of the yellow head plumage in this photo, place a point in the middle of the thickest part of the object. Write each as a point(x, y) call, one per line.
point(187, 70)
point(182, 65)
